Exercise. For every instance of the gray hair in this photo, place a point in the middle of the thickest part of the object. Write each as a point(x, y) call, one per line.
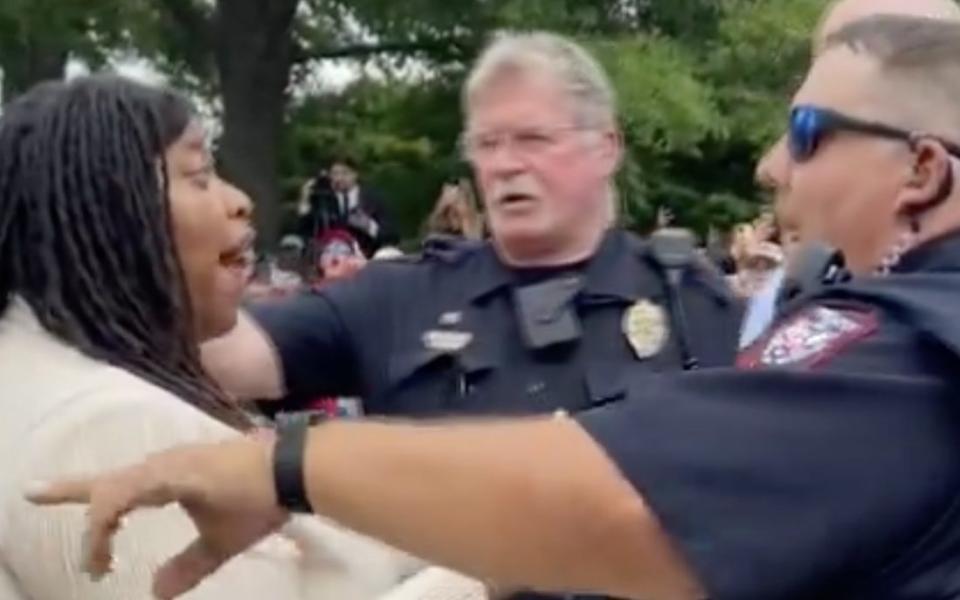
point(579, 74)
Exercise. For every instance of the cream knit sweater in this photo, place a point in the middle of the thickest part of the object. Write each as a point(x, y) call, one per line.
point(64, 413)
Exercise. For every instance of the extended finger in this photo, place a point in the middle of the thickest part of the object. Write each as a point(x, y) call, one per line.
point(64, 491)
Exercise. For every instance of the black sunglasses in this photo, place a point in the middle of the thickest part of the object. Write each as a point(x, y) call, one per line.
point(810, 124)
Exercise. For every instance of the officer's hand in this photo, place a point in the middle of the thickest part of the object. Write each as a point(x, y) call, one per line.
point(226, 489)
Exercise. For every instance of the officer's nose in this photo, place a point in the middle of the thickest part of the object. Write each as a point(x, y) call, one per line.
point(506, 159)
point(773, 170)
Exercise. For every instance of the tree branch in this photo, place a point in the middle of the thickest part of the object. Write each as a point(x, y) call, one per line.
point(449, 48)
point(190, 16)
point(192, 32)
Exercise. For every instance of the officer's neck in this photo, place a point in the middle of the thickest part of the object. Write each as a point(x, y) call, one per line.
point(943, 221)
point(547, 252)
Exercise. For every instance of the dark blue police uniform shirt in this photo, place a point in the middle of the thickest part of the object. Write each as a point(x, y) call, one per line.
point(827, 466)
point(376, 335)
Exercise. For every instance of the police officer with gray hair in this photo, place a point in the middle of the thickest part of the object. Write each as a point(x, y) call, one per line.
point(549, 314)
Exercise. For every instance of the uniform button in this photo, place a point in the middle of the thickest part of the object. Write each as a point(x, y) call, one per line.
point(537, 387)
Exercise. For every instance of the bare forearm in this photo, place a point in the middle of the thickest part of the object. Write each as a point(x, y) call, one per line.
point(527, 504)
point(244, 362)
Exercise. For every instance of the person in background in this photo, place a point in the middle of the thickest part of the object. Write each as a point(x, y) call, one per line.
point(286, 273)
point(336, 200)
point(756, 255)
point(360, 208)
point(759, 280)
point(717, 250)
point(278, 274)
point(455, 213)
point(338, 256)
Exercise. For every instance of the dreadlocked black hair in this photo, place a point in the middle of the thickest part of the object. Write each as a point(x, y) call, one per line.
point(85, 229)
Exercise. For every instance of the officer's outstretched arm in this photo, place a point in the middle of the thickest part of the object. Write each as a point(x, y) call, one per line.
point(521, 504)
point(525, 504)
point(244, 362)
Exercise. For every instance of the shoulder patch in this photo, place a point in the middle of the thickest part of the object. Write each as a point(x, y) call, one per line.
point(810, 338)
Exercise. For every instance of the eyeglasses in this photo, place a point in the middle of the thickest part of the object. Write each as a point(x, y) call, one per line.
point(527, 141)
point(809, 125)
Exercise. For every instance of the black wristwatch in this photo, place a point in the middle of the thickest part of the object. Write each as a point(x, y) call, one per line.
point(288, 475)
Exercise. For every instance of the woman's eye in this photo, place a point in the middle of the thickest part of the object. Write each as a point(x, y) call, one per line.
point(202, 178)
point(201, 181)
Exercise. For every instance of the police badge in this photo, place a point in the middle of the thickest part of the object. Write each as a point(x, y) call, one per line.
point(646, 328)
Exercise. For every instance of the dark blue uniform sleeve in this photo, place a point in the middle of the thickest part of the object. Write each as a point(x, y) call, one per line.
point(323, 337)
point(313, 345)
point(785, 484)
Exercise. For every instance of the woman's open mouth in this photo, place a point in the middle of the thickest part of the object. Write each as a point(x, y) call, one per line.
point(240, 255)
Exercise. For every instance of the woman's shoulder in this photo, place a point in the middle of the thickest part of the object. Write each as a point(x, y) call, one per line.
point(113, 419)
point(121, 408)
point(48, 383)
point(111, 399)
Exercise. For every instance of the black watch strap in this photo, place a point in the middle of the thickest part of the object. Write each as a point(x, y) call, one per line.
point(288, 476)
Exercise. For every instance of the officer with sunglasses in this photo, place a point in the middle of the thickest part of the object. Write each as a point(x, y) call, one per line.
point(827, 466)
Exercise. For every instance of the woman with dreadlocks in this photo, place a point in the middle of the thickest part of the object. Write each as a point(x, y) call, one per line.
point(121, 250)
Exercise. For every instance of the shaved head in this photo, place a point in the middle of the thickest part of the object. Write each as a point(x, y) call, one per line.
point(916, 79)
point(844, 12)
point(862, 193)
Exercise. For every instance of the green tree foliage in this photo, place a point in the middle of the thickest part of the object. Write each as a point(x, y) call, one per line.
point(38, 36)
point(702, 85)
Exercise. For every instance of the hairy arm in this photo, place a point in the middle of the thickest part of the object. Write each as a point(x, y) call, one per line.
point(533, 504)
